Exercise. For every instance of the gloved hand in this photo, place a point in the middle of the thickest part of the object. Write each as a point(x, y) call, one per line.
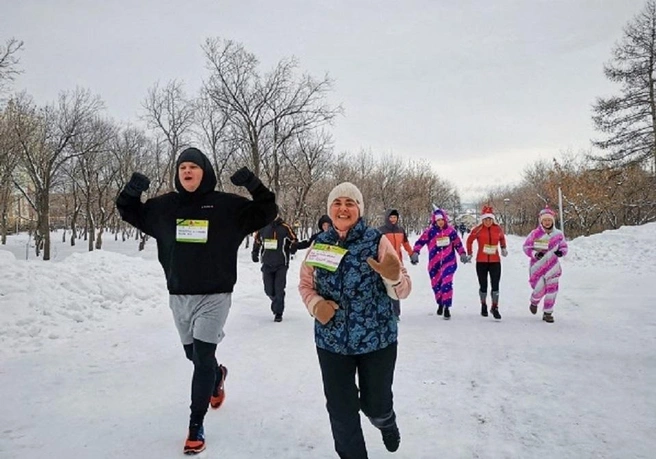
point(464, 258)
point(255, 257)
point(324, 310)
point(504, 252)
point(138, 184)
point(244, 177)
point(539, 255)
point(414, 258)
point(389, 267)
point(558, 253)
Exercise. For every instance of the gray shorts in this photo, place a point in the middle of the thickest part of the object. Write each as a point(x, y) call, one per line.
point(200, 317)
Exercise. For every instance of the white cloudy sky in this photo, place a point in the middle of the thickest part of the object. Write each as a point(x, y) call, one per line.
point(480, 88)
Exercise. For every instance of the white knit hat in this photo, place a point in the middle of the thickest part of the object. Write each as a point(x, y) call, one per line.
point(346, 190)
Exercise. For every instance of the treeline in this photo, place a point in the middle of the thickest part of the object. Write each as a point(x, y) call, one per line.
point(596, 196)
point(66, 161)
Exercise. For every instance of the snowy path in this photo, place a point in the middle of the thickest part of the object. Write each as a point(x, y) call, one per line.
point(584, 387)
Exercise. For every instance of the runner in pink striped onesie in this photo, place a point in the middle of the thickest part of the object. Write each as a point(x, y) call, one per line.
point(544, 246)
point(443, 243)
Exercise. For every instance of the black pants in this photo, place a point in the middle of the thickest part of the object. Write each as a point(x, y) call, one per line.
point(375, 372)
point(275, 281)
point(482, 271)
point(206, 374)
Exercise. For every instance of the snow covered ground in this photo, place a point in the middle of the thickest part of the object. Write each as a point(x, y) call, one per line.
point(91, 366)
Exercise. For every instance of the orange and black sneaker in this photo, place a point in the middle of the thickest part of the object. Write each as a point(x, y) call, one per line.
point(218, 395)
point(195, 440)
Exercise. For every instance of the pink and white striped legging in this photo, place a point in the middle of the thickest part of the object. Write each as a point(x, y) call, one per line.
point(546, 288)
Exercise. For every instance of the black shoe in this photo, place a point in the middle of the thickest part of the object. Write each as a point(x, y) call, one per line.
point(440, 309)
point(533, 308)
point(495, 312)
point(548, 317)
point(391, 438)
point(484, 310)
point(447, 313)
point(278, 318)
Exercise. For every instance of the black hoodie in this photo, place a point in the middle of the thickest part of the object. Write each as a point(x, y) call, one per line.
point(206, 267)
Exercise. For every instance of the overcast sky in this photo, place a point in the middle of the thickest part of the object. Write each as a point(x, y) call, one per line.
point(481, 88)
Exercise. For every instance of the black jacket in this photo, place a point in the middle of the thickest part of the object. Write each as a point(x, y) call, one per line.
point(305, 244)
point(286, 243)
point(199, 268)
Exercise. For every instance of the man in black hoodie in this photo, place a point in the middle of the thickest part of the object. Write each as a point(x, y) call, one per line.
point(273, 244)
point(198, 232)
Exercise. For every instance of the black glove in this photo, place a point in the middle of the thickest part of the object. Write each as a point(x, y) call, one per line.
point(539, 255)
point(255, 257)
point(558, 253)
point(244, 177)
point(138, 184)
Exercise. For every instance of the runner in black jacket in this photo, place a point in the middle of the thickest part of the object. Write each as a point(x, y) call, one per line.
point(324, 224)
point(274, 244)
point(198, 232)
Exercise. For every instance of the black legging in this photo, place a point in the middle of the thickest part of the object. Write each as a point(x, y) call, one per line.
point(482, 270)
point(206, 372)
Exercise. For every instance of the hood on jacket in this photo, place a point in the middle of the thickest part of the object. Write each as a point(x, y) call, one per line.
point(207, 183)
point(324, 219)
point(387, 216)
point(441, 214)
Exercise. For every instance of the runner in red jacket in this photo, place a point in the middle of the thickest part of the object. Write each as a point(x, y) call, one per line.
point(489, 237)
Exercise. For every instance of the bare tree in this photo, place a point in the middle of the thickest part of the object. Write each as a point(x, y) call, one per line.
point(8, 161)
point(169, 112)
point(265, 112)
point(95, 168)
point(9, 61)
point(44, 136)
point(215, 135)
point(308, 164)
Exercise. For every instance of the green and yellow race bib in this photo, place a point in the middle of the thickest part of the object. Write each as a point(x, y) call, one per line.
point(194, 231)
point(326, 256)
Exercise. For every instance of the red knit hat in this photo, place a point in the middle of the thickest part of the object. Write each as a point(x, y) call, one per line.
point(487, 212)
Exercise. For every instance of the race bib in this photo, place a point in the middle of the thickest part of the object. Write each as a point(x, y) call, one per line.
point(326, 256)
point(191, 230)
point(541, 244)
point(271, 244)
point(489, 249)
point(443, 241)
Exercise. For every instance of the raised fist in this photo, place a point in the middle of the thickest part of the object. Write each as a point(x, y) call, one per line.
point(138, 184)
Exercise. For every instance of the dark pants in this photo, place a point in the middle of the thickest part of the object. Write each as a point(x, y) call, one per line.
point(206, 374)
point(275, 281)
point(375, 372)
point(482, 271)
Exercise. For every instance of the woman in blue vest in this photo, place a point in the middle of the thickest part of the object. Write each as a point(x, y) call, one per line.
point(348, 280)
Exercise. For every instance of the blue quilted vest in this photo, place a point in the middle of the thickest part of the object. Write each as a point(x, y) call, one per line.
point(364, 321)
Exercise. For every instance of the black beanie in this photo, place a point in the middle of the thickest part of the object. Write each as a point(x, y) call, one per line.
point(207, 183)
point(394, 212)
point(192, 155)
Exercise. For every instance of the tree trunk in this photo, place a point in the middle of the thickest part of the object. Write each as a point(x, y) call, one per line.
point(43, 224)
point(74, 227)
point(99, 238)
